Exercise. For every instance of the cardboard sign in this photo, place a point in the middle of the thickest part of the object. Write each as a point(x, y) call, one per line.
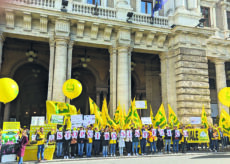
point(77, 119)
point(106, 135)
point(75, 134)
point(33, 137)
point(145, 134)
point(185, 133)
point(51, 138)
point(82, 133)
point(141, 104)
point(97, 135)
point(137, 133)
point(195, 120)
point(59, 135)
point(37, 121)
point(57, 119)
point(122, 134)
point(154, 132)
point(169, 133)
point(146, 120)
point(90, 134)
point(162, 133)
point(114, 136)
point(177, 133)
point(67, 135)
point(129, 134)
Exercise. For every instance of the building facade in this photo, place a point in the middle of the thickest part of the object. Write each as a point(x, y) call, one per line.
point(118, 52)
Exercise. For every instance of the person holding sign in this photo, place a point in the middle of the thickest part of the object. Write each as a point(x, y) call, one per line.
point(151, 140)
point(67, 138)
point(160, 134)
point(215, 140)
point(168, 137)
point(113, 142)
point(121, 141)
point(143, 138)
point(73, 142)
point(89, 142)
point(183, 139)
point(105, 142)
point(97, 141)
point(128, 141)
point(136, 136)
point(51, 136)
point(81, 138)
point(176, 138)
point(22, 146)
point(59, 142)
point(40, 141)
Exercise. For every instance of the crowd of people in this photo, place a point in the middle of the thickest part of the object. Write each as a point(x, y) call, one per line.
point(112, 142)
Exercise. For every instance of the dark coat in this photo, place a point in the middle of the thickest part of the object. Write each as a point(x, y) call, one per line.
point(22, 146)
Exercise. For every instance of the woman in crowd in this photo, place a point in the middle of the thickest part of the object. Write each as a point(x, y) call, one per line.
point(215, 140)
point(113, 142)
point(176, 138)
point(159, 139)
point(121, 141)
point(22, 146)
point(89, 142)
point(105, 142)
point(97, 141)
point(67, 138)
point(136, 135)
point(73, 143)
point(151, 140)
point(81, 138)
point(59, 142)
point(143, 140)
point(128, 141)
point(40, 142)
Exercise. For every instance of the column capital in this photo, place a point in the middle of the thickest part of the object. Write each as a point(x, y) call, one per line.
point(219, 61)
point(71, 43)
point(164, 55)
point(51, 41)
point(112, 49)
point(61, 41)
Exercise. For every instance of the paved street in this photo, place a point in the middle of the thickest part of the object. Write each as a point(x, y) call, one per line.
point(189, 158)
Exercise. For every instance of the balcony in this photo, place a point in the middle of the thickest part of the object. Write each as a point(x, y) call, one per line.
point(91, 11)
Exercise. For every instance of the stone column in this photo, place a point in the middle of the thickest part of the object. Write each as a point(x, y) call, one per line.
point(113, 80)
point(220, 81)
point(130, 75)
point(123, 77)
point(7, 112)
point(225, 19)
point(180, 4)
point(138, 6)
point(60, 68)
point(1, 47)
point(51, 69)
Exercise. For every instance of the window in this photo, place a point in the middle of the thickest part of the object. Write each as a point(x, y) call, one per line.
point(212, 83)
point(94, 2)
point(147, 6)
point(228, 19)
point(206, 14)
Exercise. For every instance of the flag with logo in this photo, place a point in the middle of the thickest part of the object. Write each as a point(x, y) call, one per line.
point(151, 115)
point(158, 5)
point(160, 118)
point(224, 122)
point(173, 120)
point(204, 120)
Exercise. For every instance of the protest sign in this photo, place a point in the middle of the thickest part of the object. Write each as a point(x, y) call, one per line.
point(97, 135)
point(154, 132)
point(137, 133)
point(169, 132)
point(11, 126)
point(75, 134)
point(145, 134)
point(146, 120)
point(177, 133)
point(197, 136)
point(59, 135)
point(106, 135)
point(185, 133)
point(162, 133)
point(90, 134)
point(67, 135)
point(114, 136)
point(195, 120)
point(82, 133)
point(122, 134)
point(89, 119)
point(37, 121)
point(57, 119)
point(77, 119)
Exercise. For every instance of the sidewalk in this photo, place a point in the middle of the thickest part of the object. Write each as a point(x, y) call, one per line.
point(197, 153)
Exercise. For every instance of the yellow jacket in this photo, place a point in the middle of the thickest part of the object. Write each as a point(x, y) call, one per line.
point(151, 137)
point(41, 138)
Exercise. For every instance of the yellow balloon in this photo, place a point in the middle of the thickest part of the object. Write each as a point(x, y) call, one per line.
point(8, 90)
point(72, 88)
point(224, 96)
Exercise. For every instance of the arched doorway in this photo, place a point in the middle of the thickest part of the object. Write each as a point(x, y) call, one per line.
point(88, 81)
point(33, 85)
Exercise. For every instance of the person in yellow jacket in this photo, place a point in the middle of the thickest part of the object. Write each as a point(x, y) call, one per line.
point(151, 140)
point(40, 141)
point(215, 139)
point(89, 141)
point(113, 142)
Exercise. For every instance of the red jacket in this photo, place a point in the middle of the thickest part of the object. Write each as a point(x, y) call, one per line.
point(22, 146)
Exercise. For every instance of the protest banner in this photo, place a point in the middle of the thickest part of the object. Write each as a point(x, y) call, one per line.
point(195, 120)
point(51, 138)
point(137, 133)
point(197, 136)
point(146, 120)
point(11, 126)
point(57, 119)
point(77, 119)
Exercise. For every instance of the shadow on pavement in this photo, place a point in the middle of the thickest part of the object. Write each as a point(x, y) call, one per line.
point(212, 156)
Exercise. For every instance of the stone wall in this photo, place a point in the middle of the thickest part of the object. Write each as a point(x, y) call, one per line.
point(192, 85)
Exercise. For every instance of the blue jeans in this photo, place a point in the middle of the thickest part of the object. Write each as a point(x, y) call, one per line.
point(215, 144)
point(211, 144)
point(135, 147)
point(59, 149)
point(113, 149)
point(20, 160)
point(105, 151)
point(80, 149)
point(40, 150)
point(176, 142)
point(143, 146)
point(167, 143)
point(88, 149)
point(153, 146)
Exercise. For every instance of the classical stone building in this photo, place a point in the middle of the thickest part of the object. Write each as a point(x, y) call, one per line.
point(172, 58)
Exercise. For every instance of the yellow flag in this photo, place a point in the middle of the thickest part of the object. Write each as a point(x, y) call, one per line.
point(117, 114)
point(79, 111)
point(204, 120)
point(59, 108)
point(91, 106)
point(151, 115)
point(160, 118)
point(224, 122)
point(173, 120)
